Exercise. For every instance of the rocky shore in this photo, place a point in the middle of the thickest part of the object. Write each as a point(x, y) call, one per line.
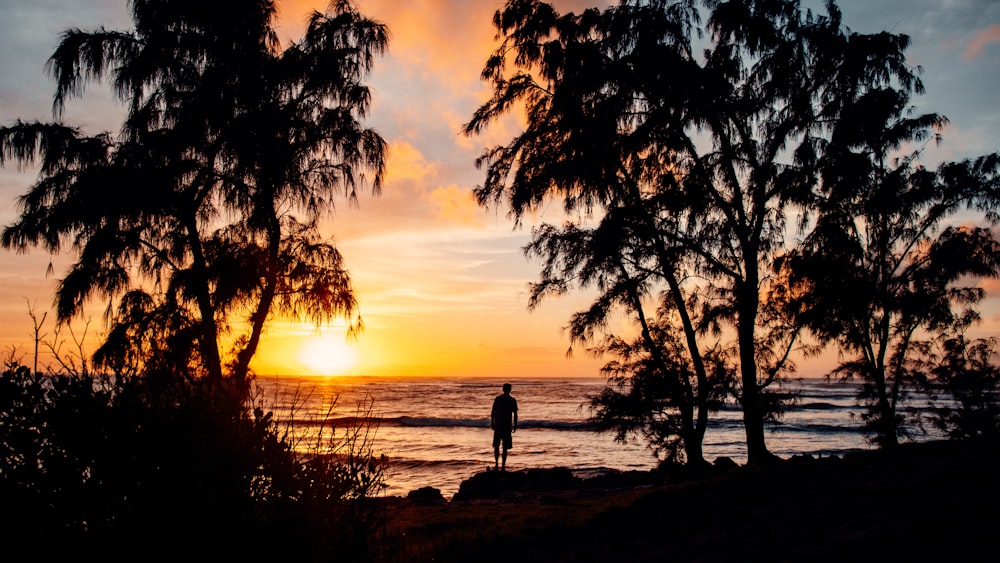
point(919, 502)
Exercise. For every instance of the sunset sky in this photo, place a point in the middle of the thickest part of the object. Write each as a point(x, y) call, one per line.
point(442, 283)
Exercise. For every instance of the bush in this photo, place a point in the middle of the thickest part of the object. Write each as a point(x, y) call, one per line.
point(165, 467)
point(967, 376)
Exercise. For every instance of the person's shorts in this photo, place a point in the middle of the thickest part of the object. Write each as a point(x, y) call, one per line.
point(504, 437)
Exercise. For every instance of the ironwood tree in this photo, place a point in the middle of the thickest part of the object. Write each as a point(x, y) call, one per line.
point(893, 263)
point(198, 221)
point(685, 141)
point(965, 384)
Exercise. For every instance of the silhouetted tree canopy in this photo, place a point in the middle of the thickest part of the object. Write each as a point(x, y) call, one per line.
point(964, 376)
point(687, 141)
point(198, 220)
point(897, 250)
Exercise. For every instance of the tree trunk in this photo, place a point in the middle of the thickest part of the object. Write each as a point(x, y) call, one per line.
point(700, 399)
point(208, 339)
point(690, 434)
point(887, 431)
point(259, 316)
point(694, 439)
point(694, 448)
point(753, 410)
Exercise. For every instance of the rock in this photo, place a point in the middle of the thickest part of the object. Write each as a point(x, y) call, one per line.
point(426, 496)
point(723, 462)
point(801, 458)
point(497, 484)
point(613, 479)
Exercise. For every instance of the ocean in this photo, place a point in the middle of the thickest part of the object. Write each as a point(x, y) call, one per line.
point(435, 431)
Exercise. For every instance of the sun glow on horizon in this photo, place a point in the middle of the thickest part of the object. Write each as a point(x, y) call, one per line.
point(328, 354)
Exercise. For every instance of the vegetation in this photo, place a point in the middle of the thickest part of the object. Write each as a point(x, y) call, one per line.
point(199, 220)
point(798, 510)
point(681, 172)
point(883, 268)
point(964, 381)
point(193, 225)
point(114, 467)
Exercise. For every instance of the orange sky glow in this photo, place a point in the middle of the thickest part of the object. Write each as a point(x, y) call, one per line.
point(441, 283)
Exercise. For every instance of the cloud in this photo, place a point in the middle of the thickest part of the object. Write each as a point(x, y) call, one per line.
point(422, 32)
point(421, 194)
point(980, 40)
point(408, 279)
point(407, 163)
point(456, 204)
point(991, 285)
point(428, 30)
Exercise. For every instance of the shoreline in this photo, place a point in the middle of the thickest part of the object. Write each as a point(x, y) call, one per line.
point(936, 498)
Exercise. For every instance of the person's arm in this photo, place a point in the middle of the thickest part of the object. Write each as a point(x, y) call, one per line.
point(514, 428)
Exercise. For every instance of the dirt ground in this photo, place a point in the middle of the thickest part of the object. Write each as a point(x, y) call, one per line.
point(928, 501)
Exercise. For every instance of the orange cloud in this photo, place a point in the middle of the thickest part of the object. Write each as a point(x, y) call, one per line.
point(406, 162)
point(442, 37)
point(991, 286)
point(420, 194)
point(456, 204)
point(428, 31)
point(421, 31)
point(980, 40)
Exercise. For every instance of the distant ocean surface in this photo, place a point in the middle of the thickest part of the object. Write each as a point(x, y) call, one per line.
point(435, 431)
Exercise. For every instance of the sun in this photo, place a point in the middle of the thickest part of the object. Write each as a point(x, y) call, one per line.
point(328, 354)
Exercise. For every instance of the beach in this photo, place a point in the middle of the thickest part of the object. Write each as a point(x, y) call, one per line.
point(924, 501)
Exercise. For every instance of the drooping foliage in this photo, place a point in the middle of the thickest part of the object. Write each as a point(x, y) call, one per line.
point(897, 250)
point(964, 379)
point(199, 220)
point(647, 394)
point(686, 141)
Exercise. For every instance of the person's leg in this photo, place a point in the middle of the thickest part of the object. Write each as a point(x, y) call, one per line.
point(507, 443)
point(496, 450)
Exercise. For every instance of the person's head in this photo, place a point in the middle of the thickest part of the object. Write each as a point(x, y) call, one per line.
point(506, 387)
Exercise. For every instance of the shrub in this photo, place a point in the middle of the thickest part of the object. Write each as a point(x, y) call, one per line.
point(166, 467)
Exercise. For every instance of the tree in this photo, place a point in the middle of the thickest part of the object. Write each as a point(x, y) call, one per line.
point(583, 97)
point(706, 154)
point(205, 207)
point(966, 375)
point(659, 392)
point(650, 391)
point(885, 264)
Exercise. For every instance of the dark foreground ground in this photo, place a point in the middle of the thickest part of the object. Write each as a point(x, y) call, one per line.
point(925, 502)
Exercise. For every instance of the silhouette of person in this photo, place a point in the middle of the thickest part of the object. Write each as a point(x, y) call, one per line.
point(503, 421)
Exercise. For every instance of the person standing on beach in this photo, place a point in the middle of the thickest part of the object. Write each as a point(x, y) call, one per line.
point(503, 421)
